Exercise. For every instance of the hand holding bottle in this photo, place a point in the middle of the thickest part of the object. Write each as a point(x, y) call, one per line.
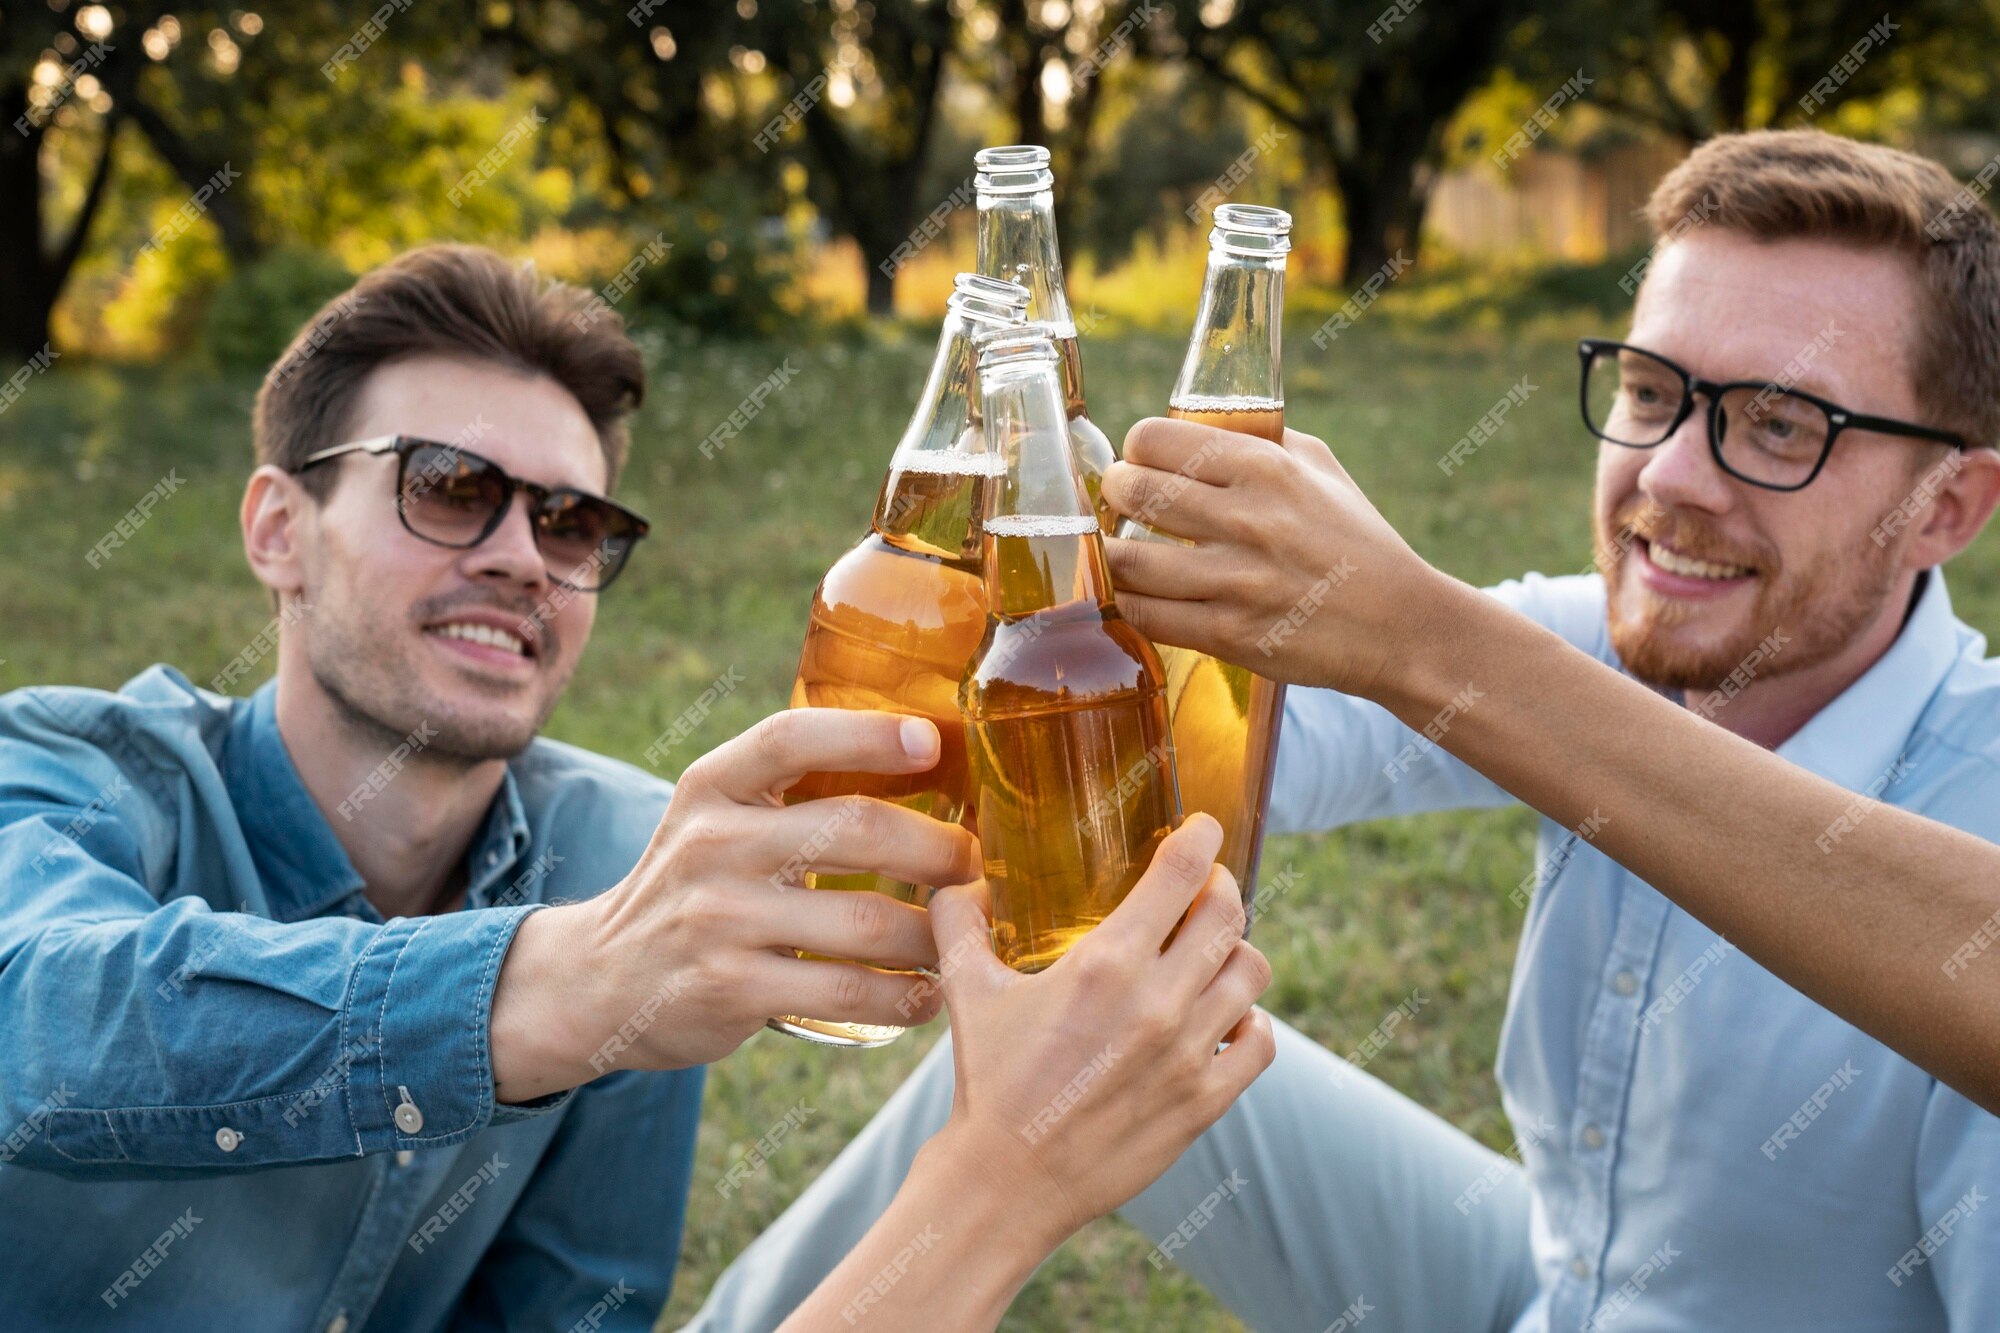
point(1297, 576)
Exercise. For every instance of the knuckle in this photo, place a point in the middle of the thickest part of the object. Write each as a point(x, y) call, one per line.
point(699, 905)
point(1255, 966)
point(850, 987)
point(870, 917)
point(771, 739)
point(865, 816)
point(1181, 864)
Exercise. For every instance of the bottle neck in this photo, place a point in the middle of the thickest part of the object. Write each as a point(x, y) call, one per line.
point(935, 490)
point(1235, 352)
point(1043, 547)
point(1017, 242)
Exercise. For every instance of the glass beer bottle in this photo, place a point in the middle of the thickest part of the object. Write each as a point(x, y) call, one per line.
point(1226, 717)
point(895, 620)
point(1071, 760)
point(1017, 242)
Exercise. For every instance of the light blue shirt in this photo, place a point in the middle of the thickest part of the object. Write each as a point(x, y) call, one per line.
point(233, 1097)
point(1708, 1149)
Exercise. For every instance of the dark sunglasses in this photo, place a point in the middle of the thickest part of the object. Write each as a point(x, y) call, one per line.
point(453, 497)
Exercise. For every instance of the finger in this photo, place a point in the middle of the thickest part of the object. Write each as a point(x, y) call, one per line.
point(1173, 502)
point(963, 933)
point(773, 755)
point(1243, 979)
point(1194, 450)
point(1163, 569)
point(1252, 1047)
point(845, 923)
point(1198, 625)
point(841, 992)
point(1202, 944)
point(1180, 867)
point(851, 835)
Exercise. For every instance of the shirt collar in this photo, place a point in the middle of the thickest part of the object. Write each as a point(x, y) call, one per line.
point(304, 868)
point(1858, 739)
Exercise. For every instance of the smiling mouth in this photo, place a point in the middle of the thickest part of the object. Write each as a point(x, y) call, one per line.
point(490, 636)
point(1687, 566)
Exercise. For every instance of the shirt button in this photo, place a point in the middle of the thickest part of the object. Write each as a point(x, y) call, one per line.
point(1593, 1137)
point(227, 1139)
point(338, 1324)
point(408, 1118)
point(1579, 1267)
point(404, 1157)
point(1625, 983)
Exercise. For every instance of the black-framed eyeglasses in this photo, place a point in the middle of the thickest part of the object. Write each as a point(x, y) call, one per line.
point(450, 496)
point(1766, 434)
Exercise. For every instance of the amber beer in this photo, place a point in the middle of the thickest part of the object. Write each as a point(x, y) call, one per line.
point(895, 620)
point(1017, 242)
point(1071, 758)
point(1226, 717)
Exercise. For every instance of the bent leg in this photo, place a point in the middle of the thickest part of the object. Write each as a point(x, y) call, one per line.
point(1323, 1193)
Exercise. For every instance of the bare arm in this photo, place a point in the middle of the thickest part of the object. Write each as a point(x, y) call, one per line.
point(1858, 904)
point(1875, 926)
point(1076, 1087)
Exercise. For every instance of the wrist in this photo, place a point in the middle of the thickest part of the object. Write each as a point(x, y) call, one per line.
point(1425, 663)
point(1018, 1229)
point(544, 1006)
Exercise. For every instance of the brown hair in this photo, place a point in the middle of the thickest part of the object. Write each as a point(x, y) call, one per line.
point(1776, 184)
point(449, 300)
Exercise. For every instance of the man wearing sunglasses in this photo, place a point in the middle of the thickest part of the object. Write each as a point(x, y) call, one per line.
point(1794, 436)
point(355, 1003)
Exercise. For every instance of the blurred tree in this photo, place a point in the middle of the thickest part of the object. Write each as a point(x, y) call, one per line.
point(862, 83)
point(1369, 88)
point(1046, 62)
point(52, 77)
point(1696, 68)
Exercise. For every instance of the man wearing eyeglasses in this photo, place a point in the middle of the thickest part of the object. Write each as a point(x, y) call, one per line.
point(1794, 436)
point(356, 1004)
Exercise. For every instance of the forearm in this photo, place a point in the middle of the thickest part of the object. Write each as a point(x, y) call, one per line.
point(1862, 913)
point(949, 1254)
point(225, 1041)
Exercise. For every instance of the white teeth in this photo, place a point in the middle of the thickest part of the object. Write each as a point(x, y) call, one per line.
point(1675, 563)
point(486, 634)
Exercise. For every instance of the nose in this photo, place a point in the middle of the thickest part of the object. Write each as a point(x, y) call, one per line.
point(1681, 471)
point(509, 553)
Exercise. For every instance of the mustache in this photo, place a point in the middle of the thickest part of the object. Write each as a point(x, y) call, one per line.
point(1692, 536)
point(529, 613)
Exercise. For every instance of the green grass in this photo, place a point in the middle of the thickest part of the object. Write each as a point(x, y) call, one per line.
point(741, 539)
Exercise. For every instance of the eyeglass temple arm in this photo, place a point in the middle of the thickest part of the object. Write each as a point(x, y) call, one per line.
point(375, 444)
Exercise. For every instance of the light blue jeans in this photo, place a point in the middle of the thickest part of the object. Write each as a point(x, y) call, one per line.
point(1323, 1196)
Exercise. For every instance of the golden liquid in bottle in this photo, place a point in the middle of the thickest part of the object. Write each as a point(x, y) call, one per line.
point(1089, 446)
point(892, 626)
point(1225, 717)
point(1067, 741)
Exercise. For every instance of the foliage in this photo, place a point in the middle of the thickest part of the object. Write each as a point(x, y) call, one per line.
point(257, 310)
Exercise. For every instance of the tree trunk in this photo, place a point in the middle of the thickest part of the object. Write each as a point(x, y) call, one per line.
point(24, 314)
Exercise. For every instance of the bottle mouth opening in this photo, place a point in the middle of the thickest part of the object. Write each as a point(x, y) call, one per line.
point(991, 301)
point(1251, 229)
point(1018, 349)
point(1012, 169)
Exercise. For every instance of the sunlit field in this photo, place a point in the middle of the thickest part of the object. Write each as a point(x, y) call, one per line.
point(721, 590)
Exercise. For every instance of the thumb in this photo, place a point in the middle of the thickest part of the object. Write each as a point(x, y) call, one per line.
point(967, 964)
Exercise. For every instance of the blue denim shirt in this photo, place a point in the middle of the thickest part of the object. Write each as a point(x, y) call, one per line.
point(1707, 1148)
point(233, 1097)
